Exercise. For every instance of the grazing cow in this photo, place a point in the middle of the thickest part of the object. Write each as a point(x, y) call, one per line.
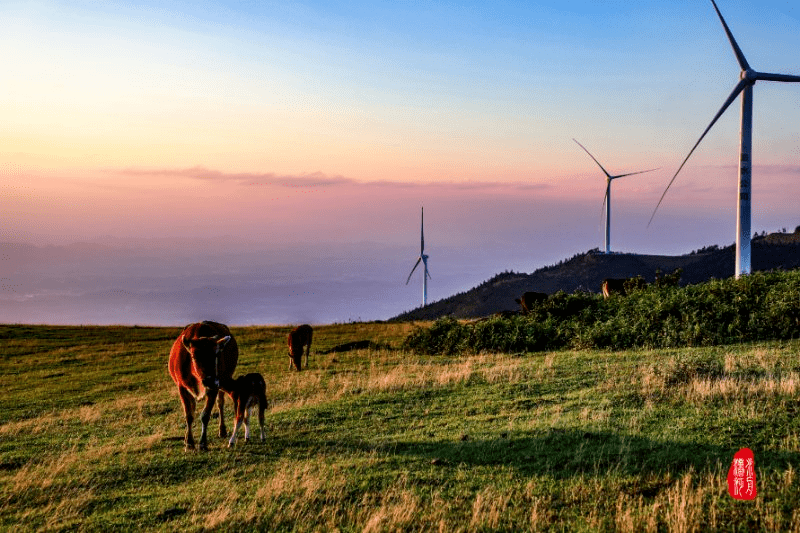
point(299, 337)
point(622, 286)
point(613, 286)
point(528, 300)
point(245, 391)
point(203, 354)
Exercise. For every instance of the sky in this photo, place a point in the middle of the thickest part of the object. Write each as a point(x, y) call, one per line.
point(279, 153)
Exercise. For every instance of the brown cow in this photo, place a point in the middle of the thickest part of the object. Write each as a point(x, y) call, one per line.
point(622, 286)
point(299, 337)
point(203, 354)
point(245, 391)
point(528, 300)
point(613, 286)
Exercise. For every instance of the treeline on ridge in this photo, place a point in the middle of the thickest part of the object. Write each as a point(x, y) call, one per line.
point(761, 306)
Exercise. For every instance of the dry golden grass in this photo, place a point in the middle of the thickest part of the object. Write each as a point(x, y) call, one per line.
point(67, 511)
point(488, 509)
point(744, 376)
point(316, 386)
point(541, 516)
point(379, 440)
point(397, 511)
point(294, 487)
point(215, 504)
point(688, 505)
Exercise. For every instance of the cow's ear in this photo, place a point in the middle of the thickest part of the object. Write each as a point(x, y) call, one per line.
point(517, 300)
point(185, 344)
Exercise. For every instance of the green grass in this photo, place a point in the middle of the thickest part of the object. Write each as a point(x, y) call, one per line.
point(377, 439)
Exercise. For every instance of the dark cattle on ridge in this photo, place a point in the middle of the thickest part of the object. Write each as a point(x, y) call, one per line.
point(246, 391)
point(529, 299)
point(299, 337)
point(203, 354)
point(622, 286)
point(613, 286)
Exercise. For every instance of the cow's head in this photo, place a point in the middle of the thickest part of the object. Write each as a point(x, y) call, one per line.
point(205, 353)
point(296, 355)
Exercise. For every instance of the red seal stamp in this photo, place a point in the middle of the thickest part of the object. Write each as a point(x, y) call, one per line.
point(742, 475)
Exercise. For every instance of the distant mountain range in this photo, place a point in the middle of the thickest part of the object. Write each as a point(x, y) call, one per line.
point(586, 271)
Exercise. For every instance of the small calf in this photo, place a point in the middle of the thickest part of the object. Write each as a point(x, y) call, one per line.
point(245, 391)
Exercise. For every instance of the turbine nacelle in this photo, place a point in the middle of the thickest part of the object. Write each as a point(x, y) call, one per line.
point(423, 258)
point(607, 197)
point(747, 79)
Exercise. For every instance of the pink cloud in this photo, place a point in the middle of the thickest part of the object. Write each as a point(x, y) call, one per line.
point(314, 179)
point(320, 179)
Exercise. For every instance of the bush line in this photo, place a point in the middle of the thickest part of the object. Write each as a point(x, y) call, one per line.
point(761, 306)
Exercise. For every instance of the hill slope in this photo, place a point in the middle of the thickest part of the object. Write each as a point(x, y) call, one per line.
point(586, 272)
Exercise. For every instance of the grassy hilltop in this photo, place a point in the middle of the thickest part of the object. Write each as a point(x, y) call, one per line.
point(586, 271)
point(372, 438)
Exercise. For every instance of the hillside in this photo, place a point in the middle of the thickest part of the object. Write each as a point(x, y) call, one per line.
point(374, 438)
point(586, 271)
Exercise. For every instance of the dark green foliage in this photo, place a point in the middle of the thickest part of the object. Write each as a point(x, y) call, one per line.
point(761, 306)
point(513, 335)
point(668, 280)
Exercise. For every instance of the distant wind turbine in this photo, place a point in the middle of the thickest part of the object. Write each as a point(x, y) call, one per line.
point(748, 78)
point(424, 259)
point(607, 198)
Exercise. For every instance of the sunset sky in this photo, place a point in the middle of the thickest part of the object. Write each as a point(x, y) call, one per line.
point(329, 124)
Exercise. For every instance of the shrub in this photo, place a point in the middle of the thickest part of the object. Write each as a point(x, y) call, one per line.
point(445, 336)
point(760, 306)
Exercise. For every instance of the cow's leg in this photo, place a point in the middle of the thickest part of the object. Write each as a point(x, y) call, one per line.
point(308, 351)
point(223, 431)
point(211, 395)
point(262, 404)
point(236, 423)
point(189, 404)
point(247, 421)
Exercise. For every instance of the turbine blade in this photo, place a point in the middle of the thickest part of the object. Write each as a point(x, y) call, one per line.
point(413, 269)
point(777, 77)
point(422, 234)
point(736, 50)
point(634, 173)
point(595, 160)
point(736, 90)
point(428, 273)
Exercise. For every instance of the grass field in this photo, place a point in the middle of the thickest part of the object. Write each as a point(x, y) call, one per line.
point(374, 439)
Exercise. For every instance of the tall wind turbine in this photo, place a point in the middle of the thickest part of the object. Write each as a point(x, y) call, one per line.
point(748, 78)
point(424, 259)
point(607, 198)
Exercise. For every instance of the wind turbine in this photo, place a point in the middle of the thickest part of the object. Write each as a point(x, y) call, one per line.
point(607, 198)
point(424, 259)
point(747, 78)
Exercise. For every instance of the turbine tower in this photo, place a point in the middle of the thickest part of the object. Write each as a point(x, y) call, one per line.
point(747, 78)
point(424, 259)
point(607, 198)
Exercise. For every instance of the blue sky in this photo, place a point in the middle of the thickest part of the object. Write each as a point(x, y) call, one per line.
point(331, 123)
